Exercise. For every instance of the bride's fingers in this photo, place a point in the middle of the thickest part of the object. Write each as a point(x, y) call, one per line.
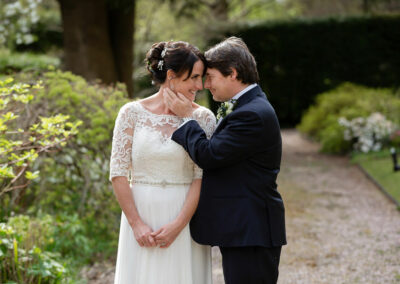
point(151, 241)
point(165, 245)
point(154, 234)
point(162, 244)
point(145, 241)
point(169, 92)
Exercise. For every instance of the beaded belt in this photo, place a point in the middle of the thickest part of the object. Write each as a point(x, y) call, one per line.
point(163, 183)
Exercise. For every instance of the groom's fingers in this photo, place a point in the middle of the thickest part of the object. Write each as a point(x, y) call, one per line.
point(167, 98)
point(170, 96)
point(169, 92)
point(181, 97)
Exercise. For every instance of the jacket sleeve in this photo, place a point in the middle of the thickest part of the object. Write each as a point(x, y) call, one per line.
point(241, 138)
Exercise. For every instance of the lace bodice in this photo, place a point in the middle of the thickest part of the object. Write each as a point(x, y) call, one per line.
point(143, 151)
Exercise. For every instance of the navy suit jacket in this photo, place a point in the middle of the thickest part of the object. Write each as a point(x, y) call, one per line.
point(239, 203)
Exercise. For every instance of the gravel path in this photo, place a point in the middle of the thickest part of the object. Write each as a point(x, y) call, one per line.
point(340, 227)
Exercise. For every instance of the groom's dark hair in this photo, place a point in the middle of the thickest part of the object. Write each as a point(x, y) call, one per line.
point(233, 53)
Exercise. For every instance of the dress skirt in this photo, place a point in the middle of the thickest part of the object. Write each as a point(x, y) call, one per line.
point(183, 262)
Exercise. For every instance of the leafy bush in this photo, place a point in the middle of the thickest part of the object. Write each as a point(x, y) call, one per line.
point(349, 101)
point(11, 62)
point(22, 137)
point(61, 234)
point(78, 175)
point(42, 244)
point(73, 183)
point(74, 180)
point(24, 262)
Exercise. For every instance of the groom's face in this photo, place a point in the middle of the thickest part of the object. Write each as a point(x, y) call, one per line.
point(219, 85)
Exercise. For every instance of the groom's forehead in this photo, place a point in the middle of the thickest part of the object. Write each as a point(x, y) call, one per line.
point(212, 71)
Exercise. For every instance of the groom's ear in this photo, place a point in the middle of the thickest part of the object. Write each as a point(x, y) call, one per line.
point(233, 74)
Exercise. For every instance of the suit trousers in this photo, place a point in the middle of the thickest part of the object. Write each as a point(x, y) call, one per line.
point(250, 265)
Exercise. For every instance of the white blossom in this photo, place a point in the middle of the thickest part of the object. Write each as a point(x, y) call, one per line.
point(369, 133)
point(16, 20)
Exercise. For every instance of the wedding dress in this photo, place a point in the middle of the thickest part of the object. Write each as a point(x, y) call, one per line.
point(160, 173)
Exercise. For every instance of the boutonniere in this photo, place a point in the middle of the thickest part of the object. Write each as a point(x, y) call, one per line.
point(226, 108)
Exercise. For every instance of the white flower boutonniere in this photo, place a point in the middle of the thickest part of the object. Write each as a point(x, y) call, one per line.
point(226, 108)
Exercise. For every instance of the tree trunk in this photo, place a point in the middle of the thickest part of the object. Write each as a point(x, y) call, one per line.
point(121, 33)
point(98, 42)
point(219, 10)
point(366, 6)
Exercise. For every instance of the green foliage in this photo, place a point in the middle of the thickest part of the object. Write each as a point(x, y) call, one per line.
point(51, 240)
point(24, 261)
point(350, 101)
point(75, 179)
point(11, 62)
point(21, 142)
point(299, 59)
point(73, 183)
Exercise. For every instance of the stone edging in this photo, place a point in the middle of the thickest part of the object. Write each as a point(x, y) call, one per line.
point(379, 186)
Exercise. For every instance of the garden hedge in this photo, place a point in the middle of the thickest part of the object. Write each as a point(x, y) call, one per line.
point(299, 59)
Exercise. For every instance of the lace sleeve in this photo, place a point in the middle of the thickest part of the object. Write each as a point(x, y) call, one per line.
point(121, 153)
point(207, 121)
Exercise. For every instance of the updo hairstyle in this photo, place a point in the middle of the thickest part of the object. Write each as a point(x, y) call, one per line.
point(179, 56)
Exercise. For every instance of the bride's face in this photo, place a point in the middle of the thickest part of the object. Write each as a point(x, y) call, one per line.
point(189, 86)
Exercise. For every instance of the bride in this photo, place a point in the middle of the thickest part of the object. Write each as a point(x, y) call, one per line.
point(155, 182)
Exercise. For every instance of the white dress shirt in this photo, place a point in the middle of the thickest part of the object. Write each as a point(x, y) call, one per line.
point(238, 95)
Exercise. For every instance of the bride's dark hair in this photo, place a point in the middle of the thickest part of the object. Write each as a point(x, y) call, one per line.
point(179, 56)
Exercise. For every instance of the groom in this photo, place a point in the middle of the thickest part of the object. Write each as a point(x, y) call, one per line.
point(240, 209)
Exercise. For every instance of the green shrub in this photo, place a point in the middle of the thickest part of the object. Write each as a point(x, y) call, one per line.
point(11, 62)
point(22, 261)
point(75, 179)
point(350, 101)
point(61, 234)
point(24, 137)
point(73, 184)
point(53, 239)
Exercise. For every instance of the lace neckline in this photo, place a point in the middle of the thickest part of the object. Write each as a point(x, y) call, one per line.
point(156, 114)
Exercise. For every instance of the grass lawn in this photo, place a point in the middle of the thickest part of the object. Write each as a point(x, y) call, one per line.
point(380, 166)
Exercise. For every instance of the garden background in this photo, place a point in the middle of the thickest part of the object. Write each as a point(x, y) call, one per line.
point(330, 68)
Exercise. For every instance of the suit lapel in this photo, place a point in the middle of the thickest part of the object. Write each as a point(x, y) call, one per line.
point(244, 99)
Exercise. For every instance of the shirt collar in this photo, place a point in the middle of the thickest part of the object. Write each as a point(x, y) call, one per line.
point(245, 90)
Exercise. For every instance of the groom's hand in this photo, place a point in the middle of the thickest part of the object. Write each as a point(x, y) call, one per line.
point(178, 103)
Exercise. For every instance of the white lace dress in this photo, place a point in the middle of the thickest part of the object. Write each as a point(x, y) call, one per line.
point(160, 173)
